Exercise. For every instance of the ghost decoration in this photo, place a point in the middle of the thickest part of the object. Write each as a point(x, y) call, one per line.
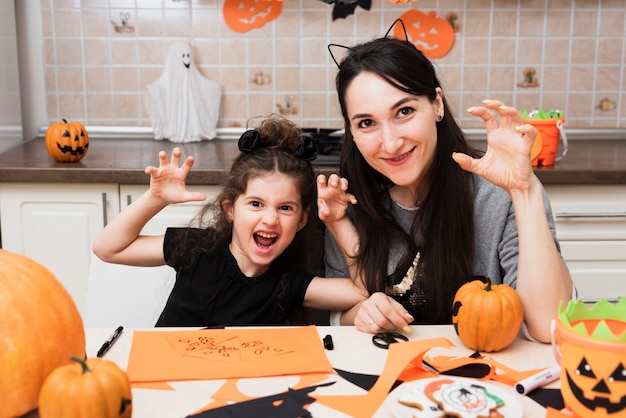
point(183, 105)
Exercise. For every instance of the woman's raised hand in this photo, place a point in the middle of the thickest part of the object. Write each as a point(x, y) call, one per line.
point(506, 162)
point(333, 198)
point(167, 182)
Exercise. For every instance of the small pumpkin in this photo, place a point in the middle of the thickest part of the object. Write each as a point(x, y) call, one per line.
point(487, 317)
point(67, 142)
point(95, 388)
point(40, 329)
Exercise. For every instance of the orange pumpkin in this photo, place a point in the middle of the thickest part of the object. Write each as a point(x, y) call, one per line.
point(487, 317)
point(40, 329)
point(94, 388)
point(67, 142)
point(432, 35)
point(245, 15)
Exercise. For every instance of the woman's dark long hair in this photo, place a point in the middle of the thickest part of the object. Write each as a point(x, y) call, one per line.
point(279, 138)
point(445, 215)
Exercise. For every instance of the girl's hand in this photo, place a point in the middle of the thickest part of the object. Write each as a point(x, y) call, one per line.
point(333, 198)
point(381, 313)
point(507, 161)
point(167, 182)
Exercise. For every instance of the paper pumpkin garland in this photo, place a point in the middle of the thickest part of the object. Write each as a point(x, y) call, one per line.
point(432, 35)
point(245, 15)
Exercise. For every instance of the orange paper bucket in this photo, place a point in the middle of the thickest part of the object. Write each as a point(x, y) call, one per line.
point(550, 131)
point(590, 345)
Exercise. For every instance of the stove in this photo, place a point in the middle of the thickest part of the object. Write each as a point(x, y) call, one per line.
point(328, 142)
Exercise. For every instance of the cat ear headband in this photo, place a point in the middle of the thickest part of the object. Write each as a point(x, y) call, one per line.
point(250, 141)
point(351, 49)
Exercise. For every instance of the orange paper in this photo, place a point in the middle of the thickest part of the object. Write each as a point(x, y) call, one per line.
point(400, 355)
point(153, 357)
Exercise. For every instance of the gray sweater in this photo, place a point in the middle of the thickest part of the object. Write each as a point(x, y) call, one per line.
point(495, 236)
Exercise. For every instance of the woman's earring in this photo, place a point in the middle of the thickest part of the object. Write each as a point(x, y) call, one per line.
point(439, 118)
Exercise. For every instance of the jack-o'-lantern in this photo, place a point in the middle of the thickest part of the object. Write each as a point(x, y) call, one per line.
point(432, 35)
point(67, 142)
point(590, 344)
point(244, 15)
point(487, 317)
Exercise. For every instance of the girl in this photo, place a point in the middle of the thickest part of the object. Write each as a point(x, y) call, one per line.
point(242, 268)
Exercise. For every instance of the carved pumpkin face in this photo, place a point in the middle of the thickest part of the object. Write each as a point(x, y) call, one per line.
point(432, 35)
point(67, 142)
point(244, 15)
point(593, 371)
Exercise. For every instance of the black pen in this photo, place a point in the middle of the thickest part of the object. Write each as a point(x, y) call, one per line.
point(108, 343)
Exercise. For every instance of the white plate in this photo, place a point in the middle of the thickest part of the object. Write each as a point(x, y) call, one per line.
point(512, 407)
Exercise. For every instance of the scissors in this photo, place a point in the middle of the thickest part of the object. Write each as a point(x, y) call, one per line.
point(382, 340)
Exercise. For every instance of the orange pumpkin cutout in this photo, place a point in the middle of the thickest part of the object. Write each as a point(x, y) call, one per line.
point(245, 15)
point(67, 142)
point(432, 35)
point(593, 368)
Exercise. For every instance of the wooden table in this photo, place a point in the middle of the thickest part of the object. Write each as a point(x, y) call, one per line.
point(353, 352)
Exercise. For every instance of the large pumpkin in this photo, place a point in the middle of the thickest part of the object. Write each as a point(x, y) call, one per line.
point(94, 388)
point(67, 142)
point(486, 317)
point(244, 15)
point(40, 329)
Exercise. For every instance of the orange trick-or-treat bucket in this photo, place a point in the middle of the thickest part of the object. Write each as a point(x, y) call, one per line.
point(590, 345)
point(549, 133)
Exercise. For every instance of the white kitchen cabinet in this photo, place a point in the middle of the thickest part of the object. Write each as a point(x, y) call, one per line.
point(172, 215)
point(135, 296)
point(591, 227)
point(56, 224)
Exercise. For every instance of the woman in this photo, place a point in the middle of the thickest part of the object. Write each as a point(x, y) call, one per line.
point(422, 201)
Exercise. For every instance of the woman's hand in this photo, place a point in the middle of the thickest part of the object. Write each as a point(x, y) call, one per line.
point(333, 198)
point(381, 313)
point(506, 162)
point(167, 182)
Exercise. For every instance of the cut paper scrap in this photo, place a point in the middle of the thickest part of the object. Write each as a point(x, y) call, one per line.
point(398, 357)
point(183, 105)
point(153, 359)
point(152, 385)
point(234, 349)
point(292, 403)
point(230, 391)
point(555, 413)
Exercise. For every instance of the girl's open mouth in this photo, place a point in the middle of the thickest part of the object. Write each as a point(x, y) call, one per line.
point(265, 240)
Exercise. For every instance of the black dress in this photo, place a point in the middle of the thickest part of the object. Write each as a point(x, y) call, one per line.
point(214, 291)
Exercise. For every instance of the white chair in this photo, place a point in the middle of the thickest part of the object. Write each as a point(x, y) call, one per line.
point(124, 295)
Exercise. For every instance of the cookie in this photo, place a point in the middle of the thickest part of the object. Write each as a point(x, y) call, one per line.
point(460, 399)
point(416, 398)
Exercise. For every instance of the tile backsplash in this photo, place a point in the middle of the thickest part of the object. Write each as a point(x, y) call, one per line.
point(100, 54)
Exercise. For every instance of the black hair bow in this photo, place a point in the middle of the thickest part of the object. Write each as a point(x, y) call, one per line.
point(249, 141)
point(307, 150)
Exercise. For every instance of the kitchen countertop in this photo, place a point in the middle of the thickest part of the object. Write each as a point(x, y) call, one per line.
point(122, 160)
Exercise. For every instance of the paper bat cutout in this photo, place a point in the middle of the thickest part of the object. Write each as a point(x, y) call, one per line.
point(286, 404)
point(343, 9)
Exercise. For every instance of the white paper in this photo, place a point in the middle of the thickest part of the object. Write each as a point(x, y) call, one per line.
point(183, 105)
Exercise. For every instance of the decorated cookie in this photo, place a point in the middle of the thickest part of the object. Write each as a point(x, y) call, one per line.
point(415, 398)
point(462, 399)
